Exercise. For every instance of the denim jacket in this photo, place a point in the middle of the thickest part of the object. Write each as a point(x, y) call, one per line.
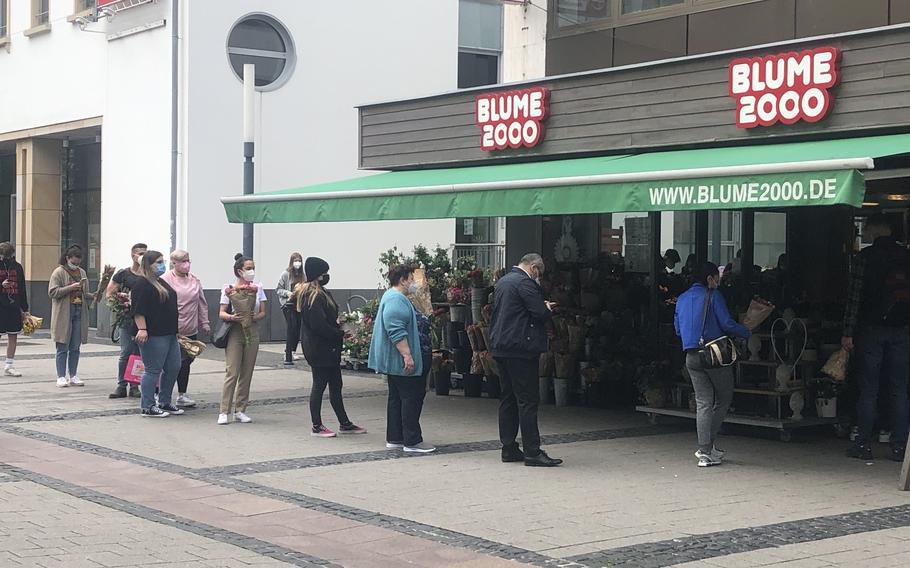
point(396, 319)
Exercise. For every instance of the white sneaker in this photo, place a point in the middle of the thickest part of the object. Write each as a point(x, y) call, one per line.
point(222, 419)
point(421, 448)
point(185, 401)
point(11, 372)
point(76, 382)
point(242, 418)
point(393, 446)
point(62, 382)
point(716, 453)
point(706, 459)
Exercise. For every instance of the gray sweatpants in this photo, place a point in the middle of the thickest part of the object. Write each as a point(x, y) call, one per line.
point(713, 393)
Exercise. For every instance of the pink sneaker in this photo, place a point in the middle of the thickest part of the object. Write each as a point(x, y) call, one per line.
point(322, 432)
point(352, 429)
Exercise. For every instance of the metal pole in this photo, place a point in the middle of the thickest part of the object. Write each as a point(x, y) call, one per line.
point(249, 137)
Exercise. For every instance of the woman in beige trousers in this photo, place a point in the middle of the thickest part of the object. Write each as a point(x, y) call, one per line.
point(243, 345)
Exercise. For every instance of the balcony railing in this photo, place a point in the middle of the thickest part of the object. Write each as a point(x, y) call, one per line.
point(485, 255)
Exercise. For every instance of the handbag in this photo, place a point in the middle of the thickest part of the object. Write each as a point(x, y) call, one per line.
point(134, 370)
point(220, 337)
point(717, 353)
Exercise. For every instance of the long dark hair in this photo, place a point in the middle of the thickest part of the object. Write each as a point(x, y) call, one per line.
point(705, 271)
point(148, 260)
point(239, 261)
point(72, 251)
point(295, 276)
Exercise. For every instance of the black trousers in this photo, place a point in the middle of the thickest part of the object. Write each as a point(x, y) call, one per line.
point(518, 403)
point(331, 377)
point(292, 319)
point(183, 376)
point(406, 396)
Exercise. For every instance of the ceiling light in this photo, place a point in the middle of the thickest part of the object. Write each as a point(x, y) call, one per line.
point(898, 197)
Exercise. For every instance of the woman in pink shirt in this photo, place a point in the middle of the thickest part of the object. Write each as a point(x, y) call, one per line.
point(192, 314)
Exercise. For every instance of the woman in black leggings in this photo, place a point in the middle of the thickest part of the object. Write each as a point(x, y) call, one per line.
point(322, 339)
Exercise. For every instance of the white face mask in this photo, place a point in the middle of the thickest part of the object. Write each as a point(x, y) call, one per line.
point(249, 275)
point(412, 288)
point(297, 265)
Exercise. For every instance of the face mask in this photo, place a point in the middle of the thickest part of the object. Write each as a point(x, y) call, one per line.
point(412, 288)
point(160, 268)
point(249, 275)
point(72, 266)
point(297, 265)
point(184, 266)
point(324, 279)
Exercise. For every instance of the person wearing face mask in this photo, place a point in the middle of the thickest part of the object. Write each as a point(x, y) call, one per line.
point(702, 316)
point(124, 281)
point(518, 336)
point(287, 284)
point(155, 313)
point(322, 339)
point(69, 316)
point(13, 304)
point(395, 351)
point(192, 315)
point(243, 345)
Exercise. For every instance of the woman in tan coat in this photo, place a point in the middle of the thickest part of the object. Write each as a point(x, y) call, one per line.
point(69, 314)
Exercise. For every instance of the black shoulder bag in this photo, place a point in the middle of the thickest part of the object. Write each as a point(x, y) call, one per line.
point(220, 337)
point(717, 353)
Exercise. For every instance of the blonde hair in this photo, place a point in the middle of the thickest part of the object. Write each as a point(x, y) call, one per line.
point(307, 292)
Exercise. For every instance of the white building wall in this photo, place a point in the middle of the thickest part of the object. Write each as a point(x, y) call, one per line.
point(524, 41)
point(363, 52)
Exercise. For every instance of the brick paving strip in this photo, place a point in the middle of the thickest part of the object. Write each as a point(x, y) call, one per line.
point(712, 545)
point(279, 529)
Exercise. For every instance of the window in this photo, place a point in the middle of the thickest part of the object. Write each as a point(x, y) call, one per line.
point(264, 42)
point(574, 12)
point(84, 6)
point(40, 12)
point(632, 6)
point(479, 42)
point(4, 18)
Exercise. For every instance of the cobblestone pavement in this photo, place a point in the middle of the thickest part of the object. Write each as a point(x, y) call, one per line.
point(84, 481)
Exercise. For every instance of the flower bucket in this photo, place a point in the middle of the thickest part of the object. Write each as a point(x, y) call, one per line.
point(826, 407)
point(561, 390)
point(443, 382)
point(460, 313)
point(478, 301)
point(473, 385)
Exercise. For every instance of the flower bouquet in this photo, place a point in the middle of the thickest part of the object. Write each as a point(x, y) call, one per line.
point(120, 306)
point(30, 324)
point(243, 300)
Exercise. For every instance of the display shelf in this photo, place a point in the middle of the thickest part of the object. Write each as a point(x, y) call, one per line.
point(783, 425)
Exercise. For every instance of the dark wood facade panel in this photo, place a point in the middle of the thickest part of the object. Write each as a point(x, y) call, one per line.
point(741, 26)
point(900, 11)
point(818, 17)
point(650, 41)
point(681, 104)
point(579, 53)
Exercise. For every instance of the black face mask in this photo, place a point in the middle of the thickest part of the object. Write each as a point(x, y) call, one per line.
point(324, 279)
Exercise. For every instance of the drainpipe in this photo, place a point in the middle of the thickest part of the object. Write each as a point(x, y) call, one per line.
point(175, 101)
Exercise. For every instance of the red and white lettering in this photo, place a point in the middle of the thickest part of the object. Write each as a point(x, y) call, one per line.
point(511, 119)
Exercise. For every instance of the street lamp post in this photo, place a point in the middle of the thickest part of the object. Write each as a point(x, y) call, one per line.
point(249, 136)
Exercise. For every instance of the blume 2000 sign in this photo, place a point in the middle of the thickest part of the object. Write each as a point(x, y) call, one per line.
point(786, 88)
point(511, 119)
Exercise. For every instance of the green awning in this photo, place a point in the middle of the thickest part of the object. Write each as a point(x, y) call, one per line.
point(772, 175)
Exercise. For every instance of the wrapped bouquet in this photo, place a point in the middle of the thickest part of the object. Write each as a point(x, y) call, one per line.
point(120, 305)
point(243, 300)
point(30, 324)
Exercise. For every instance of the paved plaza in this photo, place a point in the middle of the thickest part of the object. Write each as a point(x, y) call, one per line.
point(86, 482)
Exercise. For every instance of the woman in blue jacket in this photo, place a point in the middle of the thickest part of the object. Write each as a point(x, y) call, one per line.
point(713, 387)
point(395, 352)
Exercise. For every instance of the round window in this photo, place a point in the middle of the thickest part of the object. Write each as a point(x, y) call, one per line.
point(261, 40)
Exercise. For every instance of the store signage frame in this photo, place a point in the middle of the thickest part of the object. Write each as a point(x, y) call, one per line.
point(512, 119)
point(784, 88)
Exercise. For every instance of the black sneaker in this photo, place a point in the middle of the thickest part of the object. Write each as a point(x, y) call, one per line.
point(119, 392)
point(897, 453)
point(134, 392)
point(171, 409)
point(542, 460)
point(860, 451)
point(154, 412)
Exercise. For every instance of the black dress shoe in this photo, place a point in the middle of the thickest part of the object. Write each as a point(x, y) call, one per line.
point(541, 460)
point(512, 455)
point(897, 453)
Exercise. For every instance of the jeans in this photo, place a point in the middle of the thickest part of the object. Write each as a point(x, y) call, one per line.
point(331, 377)
point(406, 396)
point(518, 405)
point(713, 394)
point(160, 357)
point(68, 353)
point(183, 377)
point(128, 347)
point(882, 353)
point(292, 319)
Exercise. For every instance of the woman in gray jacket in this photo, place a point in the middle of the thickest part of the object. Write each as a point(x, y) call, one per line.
point(287, 295)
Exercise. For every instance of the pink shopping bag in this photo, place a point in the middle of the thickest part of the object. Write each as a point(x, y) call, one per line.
point(134, 370)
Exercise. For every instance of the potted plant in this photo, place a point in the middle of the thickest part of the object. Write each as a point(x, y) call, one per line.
point(826, 391)
point(652, 384)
